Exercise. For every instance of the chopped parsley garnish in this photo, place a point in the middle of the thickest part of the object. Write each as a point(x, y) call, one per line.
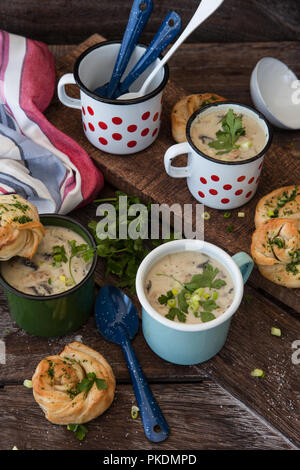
point(293, 265)
point(50, 370)
point(278, 241)
point(23, 219)
point(193, 296)
point(282, 201)
point(79, 430)
point(59, 255)
point(232, 130)
point(86, 384)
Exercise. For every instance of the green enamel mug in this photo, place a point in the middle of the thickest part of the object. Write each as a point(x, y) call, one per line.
point(59, 314)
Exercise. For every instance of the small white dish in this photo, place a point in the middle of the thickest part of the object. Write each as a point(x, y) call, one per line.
point(274, 93)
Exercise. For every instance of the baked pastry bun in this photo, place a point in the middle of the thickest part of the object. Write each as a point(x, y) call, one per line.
point(275, 249)
point(58, 381)
point(20, 228)
point(185, 107)
point(283, 202)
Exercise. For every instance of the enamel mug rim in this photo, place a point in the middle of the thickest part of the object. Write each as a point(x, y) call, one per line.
point(190, 245)
point(93, 95)
point(227, 162)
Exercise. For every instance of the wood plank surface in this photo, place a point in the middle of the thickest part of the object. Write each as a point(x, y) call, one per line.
point(143, 173)
point(61, 21)
point(196, 422)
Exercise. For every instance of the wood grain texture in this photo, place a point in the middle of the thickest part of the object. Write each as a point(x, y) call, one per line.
point(143, 173)
point(195, 421)
point(73, 21)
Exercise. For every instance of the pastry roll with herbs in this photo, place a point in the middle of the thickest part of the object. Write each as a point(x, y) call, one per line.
point(283, 202)
point(275, 249)
point(75, 386)
point(20, 228)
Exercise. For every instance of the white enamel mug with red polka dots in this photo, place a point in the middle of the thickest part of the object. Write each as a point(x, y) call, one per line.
point(219, 184)
point(118, 127)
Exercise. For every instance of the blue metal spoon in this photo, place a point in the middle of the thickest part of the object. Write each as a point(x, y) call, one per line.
point(117, 320)
point(168, 30)
point(139, 15)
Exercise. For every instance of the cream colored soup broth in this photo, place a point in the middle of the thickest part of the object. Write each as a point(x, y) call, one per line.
point(169, 276)
point(205, 127)
point(43, 275)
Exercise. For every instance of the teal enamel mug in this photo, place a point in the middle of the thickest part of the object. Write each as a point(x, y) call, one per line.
point(183, 343)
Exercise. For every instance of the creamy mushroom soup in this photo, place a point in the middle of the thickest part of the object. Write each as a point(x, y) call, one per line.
point(189, 287)
point(226, 135)
point(57, 266)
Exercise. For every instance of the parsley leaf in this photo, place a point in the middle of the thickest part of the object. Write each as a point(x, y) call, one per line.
point(163, 299)
point(86, 384)
point(59, 255)
point(79, 430)
point(232, 130)
point(175, 312)
point(207, 316)
point(205, 279)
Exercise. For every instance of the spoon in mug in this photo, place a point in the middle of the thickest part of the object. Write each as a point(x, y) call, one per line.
point(204, 10)
point(139, 15)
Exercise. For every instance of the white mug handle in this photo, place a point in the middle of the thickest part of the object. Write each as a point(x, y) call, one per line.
point(67, 79)
point(171, 153)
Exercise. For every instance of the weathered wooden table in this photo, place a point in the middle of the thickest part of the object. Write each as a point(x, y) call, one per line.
point(216, 405)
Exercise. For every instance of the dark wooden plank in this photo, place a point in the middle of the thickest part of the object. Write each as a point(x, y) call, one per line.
point(59, 21)
point(149, 179)
point(206, 418)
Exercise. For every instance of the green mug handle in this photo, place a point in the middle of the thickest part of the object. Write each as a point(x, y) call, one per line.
point(245, 263)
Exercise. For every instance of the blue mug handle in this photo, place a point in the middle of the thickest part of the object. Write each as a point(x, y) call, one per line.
point(245, 263)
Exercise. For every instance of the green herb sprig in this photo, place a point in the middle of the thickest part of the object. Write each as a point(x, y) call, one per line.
point(232, 130)
point(79, 430)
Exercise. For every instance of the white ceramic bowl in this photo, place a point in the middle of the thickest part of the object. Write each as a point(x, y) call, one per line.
point(275, 93)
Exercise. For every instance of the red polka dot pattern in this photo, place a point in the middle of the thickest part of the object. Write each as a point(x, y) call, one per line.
point(132, 143)
point(84, 126)
point(145, 132)
point(214, 192)
point(227, 187)
point(103, 141)
point(249, 194)
point(225, 201)
point(117, 120)
point(132, 128)
point(155, 117)
point(241, 178)
point(90, 110)
point(154, 132)
point(201, 194)
point(83, 110)
point(203, 180)
point(238, 192)
point(102, 125)
point(251, 180)
point(146, 116)
point(117, 136)
point(260, 165)
point(91, 127)
point(215, 178)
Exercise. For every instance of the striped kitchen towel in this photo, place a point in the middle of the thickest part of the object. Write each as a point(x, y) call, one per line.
point(37, 160)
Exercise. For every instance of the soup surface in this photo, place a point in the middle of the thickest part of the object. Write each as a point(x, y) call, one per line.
point(211, 134)
point(189, 287)
point(52, 269)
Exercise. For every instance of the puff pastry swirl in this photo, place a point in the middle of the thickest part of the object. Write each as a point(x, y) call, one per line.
point(283, 202)
point(55, 384)
point(276, 250)
point(20, 228)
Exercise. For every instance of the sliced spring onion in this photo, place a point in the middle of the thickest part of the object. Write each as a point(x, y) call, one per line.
point(215, 295)
point(275, 331)
point(246, 145)
point(27, 383)
point(174, 291)
point(199, 291)
point(258, 373)
point(195, 298)
point(206, 216)
point(194, 306)
point(62, 278)
point(15, 448)
point(206, 296)
point(172, 303)
point(241, 214)
point(227, 215)
point(134, 412)
point(270, 213)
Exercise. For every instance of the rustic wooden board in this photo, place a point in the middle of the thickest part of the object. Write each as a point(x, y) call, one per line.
point(196, 422)
point(143, 173)
point(61, 21)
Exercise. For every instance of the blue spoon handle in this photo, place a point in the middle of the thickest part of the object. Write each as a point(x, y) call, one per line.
point(139, 14)
point(155, 426)
point(168, 30)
